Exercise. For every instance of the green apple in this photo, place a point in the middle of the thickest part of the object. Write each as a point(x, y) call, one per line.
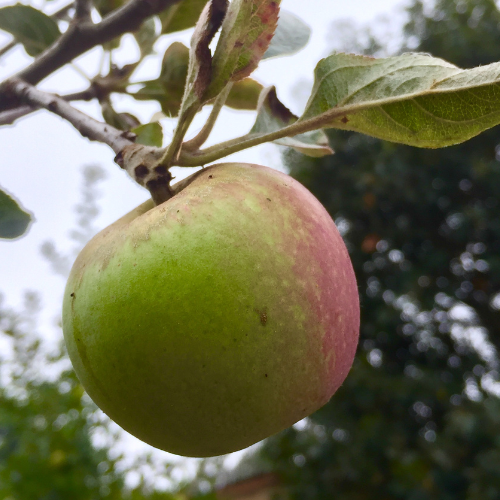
point(217, 318)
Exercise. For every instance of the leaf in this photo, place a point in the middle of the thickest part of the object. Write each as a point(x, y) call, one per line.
point(200, 57)
point(181, 16)
point(174, 66)
point(273, 115)
point(146, 36)
point(168, 89)
point(150, 134)
point(35, 30)
point(244, 94)
point(14, 221)
point(291, 35)
point(246, 33)
point(121, 121)
point(413, 99)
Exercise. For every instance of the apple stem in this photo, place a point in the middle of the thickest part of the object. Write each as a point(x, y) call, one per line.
point(143, 164)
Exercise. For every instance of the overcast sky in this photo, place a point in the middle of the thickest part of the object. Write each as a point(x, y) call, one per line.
point(42, 156)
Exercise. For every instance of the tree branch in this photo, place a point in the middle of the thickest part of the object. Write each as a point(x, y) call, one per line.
point(87, 126)
point(83, 36)
point(10, 116)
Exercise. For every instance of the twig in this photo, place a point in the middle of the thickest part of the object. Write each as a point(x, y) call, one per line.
point(7, 47)
point(202, 136)
point(81, 37)
point(10, 116)
point(87, 126)
point(139, 161)
point(83, 8)
point(61, 13)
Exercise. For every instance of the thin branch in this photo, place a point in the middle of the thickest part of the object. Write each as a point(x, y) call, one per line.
point(83, 36)
point(202, 136)
point(87, 126)
point(83, 8)
point(61, 13)
point(7, 47)
point(10, 116)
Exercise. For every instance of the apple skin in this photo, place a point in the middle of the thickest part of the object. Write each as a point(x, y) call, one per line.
point(217, 318)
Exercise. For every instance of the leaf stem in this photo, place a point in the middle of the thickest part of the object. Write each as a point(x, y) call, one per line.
point(202, 136)
point(213, 153)
point(173, 150)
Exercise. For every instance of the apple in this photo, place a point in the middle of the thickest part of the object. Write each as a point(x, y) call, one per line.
point(217, 318)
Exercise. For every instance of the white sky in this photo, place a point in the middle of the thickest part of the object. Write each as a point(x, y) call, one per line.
point(42, 156)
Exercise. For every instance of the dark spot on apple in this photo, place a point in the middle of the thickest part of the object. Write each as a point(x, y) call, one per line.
point(268, 199)
point(210, 176)
point(266, 375)
point(263, 318)
point(141, 171)
point(71, 294)
point(345, 119)
point(262, 315)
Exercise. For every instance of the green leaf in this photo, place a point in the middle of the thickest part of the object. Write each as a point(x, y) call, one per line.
point(244, 95)
point(413, 99)
point(121, 121)
point(168, 89)
point(181, 16)
point(150, 134)
point(146, 36)
point(273, 115)
point(35, 30)
point(245, 36)
point(291, 35)
point(14, 221)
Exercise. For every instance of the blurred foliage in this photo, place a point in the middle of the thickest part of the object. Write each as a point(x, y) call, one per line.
point(45, 427)
point(417, 418)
